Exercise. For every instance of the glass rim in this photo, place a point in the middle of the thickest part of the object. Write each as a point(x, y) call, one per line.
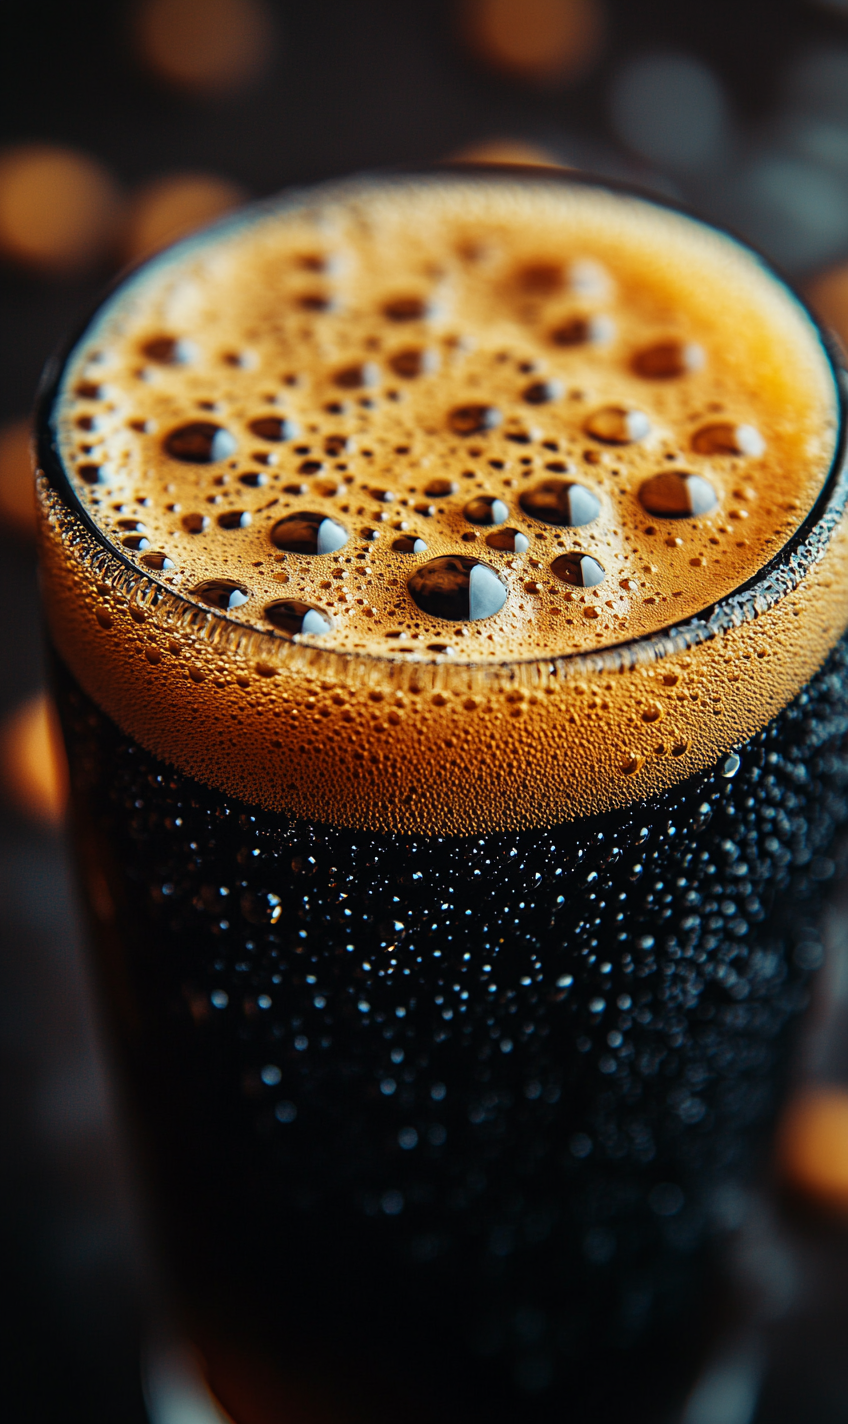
point(777, 578)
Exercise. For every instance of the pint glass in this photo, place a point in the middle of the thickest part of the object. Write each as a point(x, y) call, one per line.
point(446, 577)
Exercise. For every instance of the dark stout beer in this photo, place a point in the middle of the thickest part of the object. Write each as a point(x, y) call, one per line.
point(446, 577)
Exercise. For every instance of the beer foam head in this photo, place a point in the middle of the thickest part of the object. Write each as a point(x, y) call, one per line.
point(446, 504)
point(437, 419)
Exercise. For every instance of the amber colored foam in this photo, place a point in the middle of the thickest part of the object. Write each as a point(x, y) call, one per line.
point(534, 716)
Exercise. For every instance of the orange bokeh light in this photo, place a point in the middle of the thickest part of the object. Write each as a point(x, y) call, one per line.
point(32, 760)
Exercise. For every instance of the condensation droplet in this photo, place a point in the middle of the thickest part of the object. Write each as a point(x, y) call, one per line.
point(579, 570)
point(440, 489)
point(293, 617)
point(615, 425)
point(200, 443)
point(673, 494)
point(730, 765)
point(485, 509)
point(221, 593)
point(308, 533)
point(409, 544)
point(666, 359)
point(457, 588)
point(561, 502)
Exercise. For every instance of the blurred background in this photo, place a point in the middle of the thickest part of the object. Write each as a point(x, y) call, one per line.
point(125, 125)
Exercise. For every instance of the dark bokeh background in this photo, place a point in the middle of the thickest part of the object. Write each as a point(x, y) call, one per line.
point(738, 107)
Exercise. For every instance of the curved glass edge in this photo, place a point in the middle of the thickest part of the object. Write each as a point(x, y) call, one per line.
point(778, 578)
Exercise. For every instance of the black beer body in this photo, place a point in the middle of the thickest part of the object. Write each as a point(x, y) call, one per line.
point(453, 1127)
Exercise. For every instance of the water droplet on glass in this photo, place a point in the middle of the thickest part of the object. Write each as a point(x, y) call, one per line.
point(540, 392)
point(132, 526)
point(509, 540)
point(730, 765)
point(485, 509)
point(723, 438)
point(221, 593)
point(90, 474)
point(677, 495)
point(200, 443)
point(254, 479)
point(235, 519)
point(667, 359)
point(472, 419)
point(580, 570)
point(157, 561)
point(136, 542)
point(194, 523)
point(261, 907)
point(561, 502)
point(274, 427)
point(406, 309)
point(308, 533)
point(456, 587)
point(408, 544)
point(293, 617)
point(440, 489)
point(615, 425)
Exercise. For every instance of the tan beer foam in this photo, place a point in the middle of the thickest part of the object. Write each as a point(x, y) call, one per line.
point(469, 728)
point(502, 267)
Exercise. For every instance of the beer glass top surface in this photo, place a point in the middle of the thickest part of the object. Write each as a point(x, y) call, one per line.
point(447, 502)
